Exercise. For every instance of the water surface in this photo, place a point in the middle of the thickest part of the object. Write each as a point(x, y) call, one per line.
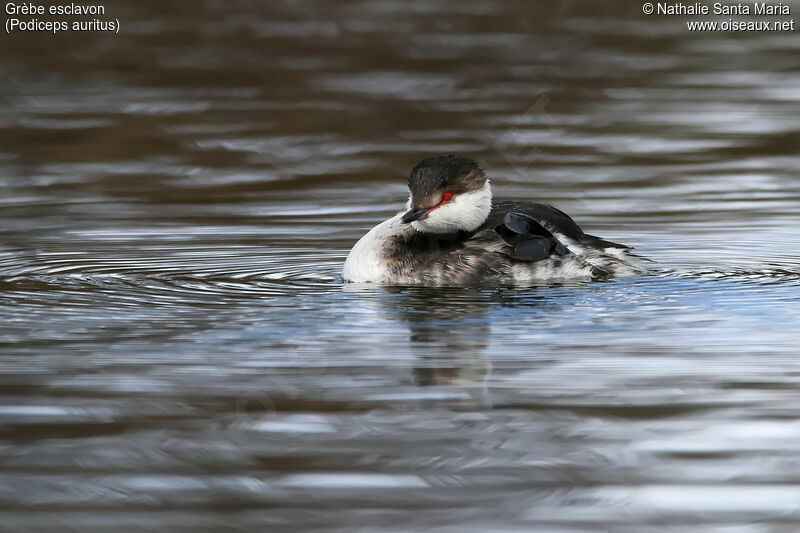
point(177, 351)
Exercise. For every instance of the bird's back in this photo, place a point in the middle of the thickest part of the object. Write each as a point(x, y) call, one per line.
point(489, 256)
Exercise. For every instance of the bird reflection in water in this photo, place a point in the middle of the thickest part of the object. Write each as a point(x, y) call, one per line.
point(449, 333)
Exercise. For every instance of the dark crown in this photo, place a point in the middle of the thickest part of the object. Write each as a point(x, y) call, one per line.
point(440, 173)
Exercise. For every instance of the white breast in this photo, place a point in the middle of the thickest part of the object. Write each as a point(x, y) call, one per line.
point(366, 262)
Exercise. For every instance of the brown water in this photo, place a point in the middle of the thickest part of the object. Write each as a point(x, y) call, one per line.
point(177, 351)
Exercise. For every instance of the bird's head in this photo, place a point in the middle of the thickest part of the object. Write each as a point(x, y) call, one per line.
point(447, 194)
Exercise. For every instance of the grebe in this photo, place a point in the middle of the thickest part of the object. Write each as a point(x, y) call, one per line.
point(451, 233)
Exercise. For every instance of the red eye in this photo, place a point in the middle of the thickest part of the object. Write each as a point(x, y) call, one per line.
point(446, 197)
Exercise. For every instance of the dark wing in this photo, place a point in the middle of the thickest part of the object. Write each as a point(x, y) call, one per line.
point(530, 240)
point(597, 242)
point(553, 218)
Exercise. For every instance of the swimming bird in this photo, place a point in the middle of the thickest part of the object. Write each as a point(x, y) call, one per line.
point(451, 233)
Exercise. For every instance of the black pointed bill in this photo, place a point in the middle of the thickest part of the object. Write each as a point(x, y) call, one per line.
point(415, 213)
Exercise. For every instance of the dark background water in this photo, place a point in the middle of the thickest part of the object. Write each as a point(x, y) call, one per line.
point(177, 351)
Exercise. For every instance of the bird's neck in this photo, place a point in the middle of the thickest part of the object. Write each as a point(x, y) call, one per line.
point(367, 261)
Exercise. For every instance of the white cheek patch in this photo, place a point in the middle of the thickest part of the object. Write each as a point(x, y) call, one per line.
point(465, 212)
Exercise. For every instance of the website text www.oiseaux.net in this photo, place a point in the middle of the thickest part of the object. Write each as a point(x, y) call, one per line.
point(741, 25)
